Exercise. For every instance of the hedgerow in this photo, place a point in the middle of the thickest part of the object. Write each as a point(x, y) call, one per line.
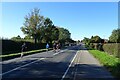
point(11, 46)
point(112, 49)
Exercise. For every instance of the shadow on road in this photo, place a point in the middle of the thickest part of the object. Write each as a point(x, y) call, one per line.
point(53, 70)
point(41, 70)
point(91, 72)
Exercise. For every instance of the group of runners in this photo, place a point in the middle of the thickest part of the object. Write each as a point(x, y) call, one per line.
point(56, 47)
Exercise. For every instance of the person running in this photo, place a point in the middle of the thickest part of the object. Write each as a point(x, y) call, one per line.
point(23, 49)
point(47, 47)
point(54, 47)
point(58, 47)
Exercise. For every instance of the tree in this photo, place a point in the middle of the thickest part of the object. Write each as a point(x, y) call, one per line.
point(115, 36)
point(27, 37)
point(64, 34)
point(86, 40)
point(33, 22)
point(51, 32)
point(15, 38)
point(95, 39)
point(55, 33)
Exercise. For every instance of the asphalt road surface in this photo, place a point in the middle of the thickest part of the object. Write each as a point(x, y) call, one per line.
point(67, 64)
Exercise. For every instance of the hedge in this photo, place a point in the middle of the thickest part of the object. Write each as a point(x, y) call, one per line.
point(112, 49)
point(96, 46)
point(10, 46)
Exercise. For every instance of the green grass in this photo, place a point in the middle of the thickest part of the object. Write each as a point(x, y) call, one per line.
point(110, 62)
point(28, 52)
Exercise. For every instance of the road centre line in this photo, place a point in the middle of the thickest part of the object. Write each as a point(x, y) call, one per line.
point(69, 66)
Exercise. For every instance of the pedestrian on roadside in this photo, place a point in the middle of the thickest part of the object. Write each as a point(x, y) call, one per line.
point(23, 49)
point(54, 47)
point(47, 47)
point(58, 46)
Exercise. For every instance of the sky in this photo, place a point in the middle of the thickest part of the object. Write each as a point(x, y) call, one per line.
point(82, 19)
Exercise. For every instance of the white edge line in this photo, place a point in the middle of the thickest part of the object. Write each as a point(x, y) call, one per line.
point(18, 58)
point(69, 66)
point(20, 67)
point(26, 64)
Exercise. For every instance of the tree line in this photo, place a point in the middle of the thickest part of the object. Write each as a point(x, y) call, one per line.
point(114, 38)
point(41, 29)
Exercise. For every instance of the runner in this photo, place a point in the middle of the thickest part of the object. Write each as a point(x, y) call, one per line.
point(23, 49)
point(47, 47)
point(54, 47)
point(58, 46)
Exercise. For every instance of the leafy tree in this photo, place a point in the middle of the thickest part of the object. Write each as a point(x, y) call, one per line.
point(64, 34)
point(115, 36)
point(78, 41)
point(42, 29)
point(51, 32)
point(92, 39)
point(95, 39)
point(27, 37)
point(48, 24)
point(86, 40)
point(15, 38)
point(33, 22)
point(55, 33)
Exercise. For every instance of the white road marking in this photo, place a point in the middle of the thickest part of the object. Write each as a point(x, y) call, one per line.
point(28, 64)
point(78, 59)
point(69, 66)
point(20, 67)
point(56, 53)
point(18, 58)
point(59, 52)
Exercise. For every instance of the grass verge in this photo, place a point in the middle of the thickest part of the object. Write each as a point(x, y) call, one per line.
point(14, 55)
point(110, 62)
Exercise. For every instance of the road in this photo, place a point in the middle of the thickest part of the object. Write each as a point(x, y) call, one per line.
point(62, 65)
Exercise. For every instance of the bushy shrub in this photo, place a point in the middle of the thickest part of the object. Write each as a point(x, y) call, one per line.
point(90, 46)
point(112, 49)
point(98, 46)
